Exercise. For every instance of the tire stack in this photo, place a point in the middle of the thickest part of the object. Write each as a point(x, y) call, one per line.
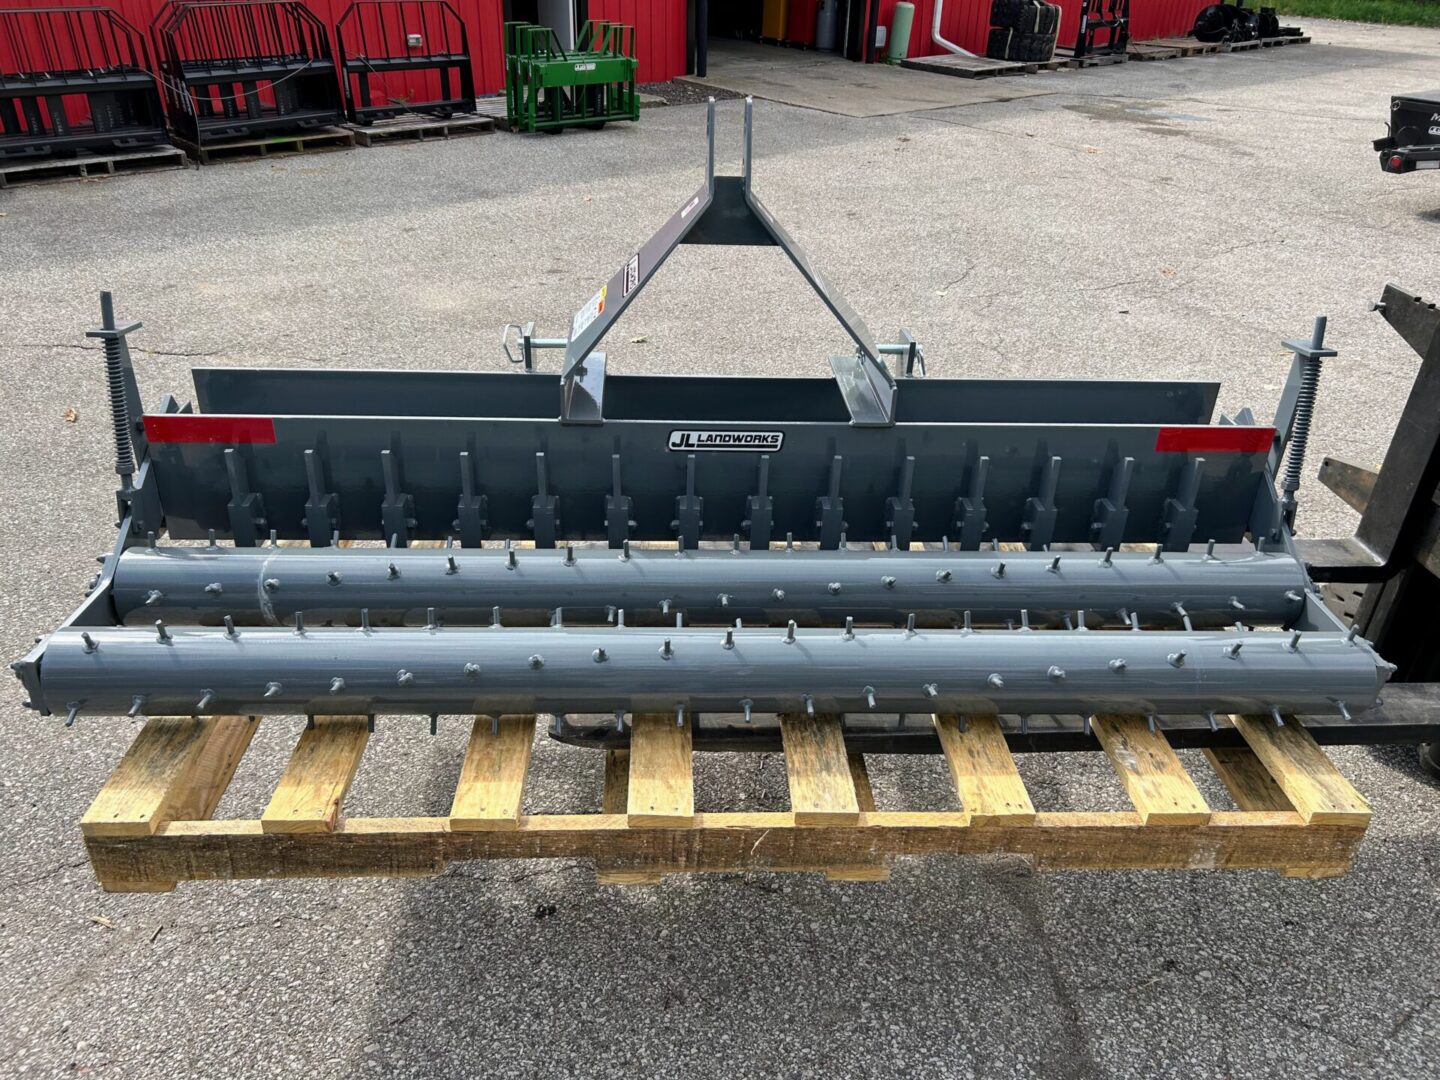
point(1023, 30)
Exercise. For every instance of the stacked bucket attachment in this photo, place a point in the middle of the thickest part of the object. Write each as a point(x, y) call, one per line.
point(74, 79)
point(549, 87)
point(237, 68)
point(870, 561)
point(404, 56)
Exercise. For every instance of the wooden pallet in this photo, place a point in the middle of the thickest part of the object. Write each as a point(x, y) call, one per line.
point(91, 166)
point(1185, 46)
point(1149, 50)
point(296, 142)
point(965, 67)
point(1092, 60)
point(420, 129)
point(151, 827)
point(1267, 43)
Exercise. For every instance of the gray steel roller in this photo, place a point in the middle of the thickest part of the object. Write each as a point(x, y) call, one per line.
point(165, 671)
point(398, 585)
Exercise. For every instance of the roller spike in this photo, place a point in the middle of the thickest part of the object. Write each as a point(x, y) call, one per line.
point(1065, 617)
point(998, 570)
point(1056, 673)
point(680, 716)
point(1118, 665)
point(1054, 567)
point(434, 723)
point(472, 670)
point(1135, 621)
point(1088, 732)
point(207, 698)
point(210, 538)
point(833, 588)
point(1024, 619)
point(392, 571)
point(1177, 658)
point(930, 690)
point(809, 703)
point(1275, 715)
point(995, 681)
point(337, 685)
point(724, 599)
point(1293, 645)
point(789, 541)
point(432, 623)
point(729, 642)
point(405, 678)
point(944, 543)
point(161, 634)
point(90, 645)
point(150, 539)
point(1210, 713)
point(1107, 559)
point(557, 619)
point(777, 594)
point(869, 693)
point(1233, 649)
point(625, 550)
point(334, 577)
point(557, 726)
point(1080, 620)
point(1235, 604)
point(1159, 556)
point(735, 544)
point(620, 721)
point(909, 624)
point(1343, 711)
point(888, 581)
point(512, 561)
point(536, 662)
point(217, 589)
point(274, 537)
point(570, 554)
point(1352, 634)
point(1024, 724)
point(137, 703)
point(273, 689)
point(665, 606)
point(365, 620)
point(451, 566)
point(968, 628)
point(299, 622)
point(154, 596)
point(745, 706)
point(666, 650)
point(72, 710)
point(494, 725)
point(1210, 550)
point(495, 617)
point(790, 632)
point(620, 618)
point(600, 655)
point(610, 614)
point(849, 634)
point(1152, 722)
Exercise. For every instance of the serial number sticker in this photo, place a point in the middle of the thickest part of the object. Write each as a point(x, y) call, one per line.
point(764, 442)
point(589, 313)
point(632, 276)
point(689, 207)
point(584, 67)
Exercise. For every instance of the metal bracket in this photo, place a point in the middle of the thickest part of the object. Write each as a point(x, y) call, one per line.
point(723, 210)
point(470, 510)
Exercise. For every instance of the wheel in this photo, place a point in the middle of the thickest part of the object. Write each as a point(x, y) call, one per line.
point(1006, 14)
point(997, 47)
point(1430, 759)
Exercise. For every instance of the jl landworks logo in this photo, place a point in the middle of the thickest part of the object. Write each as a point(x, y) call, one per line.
point(760, 442)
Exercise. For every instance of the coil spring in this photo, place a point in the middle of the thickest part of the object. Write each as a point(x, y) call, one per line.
point(115, 383)
point(1300, 430)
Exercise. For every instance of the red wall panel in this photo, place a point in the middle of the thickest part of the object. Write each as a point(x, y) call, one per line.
point(660, 31)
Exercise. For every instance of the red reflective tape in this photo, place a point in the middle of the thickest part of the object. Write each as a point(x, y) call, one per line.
point(1220, 439)
point(189, 428)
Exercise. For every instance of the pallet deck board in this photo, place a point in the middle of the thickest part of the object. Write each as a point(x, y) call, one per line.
point(1154, 777)
point(986, 780)
point(318, 776)
point(822, 788)
point(491, 790)
point(662, 778)
point(1311, 783)
point(295, 142)
point(90, 166)
point(420, 129)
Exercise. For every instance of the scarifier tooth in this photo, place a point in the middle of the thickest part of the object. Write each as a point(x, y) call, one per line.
point(337, 685)
point(273, 689)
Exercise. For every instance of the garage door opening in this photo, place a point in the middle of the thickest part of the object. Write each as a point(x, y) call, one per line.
point(846, 27)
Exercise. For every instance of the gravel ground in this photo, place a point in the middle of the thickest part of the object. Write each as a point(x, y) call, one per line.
point(1157, 220)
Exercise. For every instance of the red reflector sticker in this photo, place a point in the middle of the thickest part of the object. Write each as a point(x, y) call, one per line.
point(188, 428)
point(1221, 439)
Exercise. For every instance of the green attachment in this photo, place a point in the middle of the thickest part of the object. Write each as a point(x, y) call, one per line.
point(548, 87)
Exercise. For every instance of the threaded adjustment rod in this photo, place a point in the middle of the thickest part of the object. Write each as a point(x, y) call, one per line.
point(1309, 356)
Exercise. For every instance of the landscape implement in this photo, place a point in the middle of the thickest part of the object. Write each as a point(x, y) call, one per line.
point(881, 561)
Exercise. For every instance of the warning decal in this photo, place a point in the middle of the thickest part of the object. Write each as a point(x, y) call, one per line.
point(589, 313)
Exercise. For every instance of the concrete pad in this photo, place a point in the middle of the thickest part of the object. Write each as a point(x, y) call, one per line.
point(833, 84)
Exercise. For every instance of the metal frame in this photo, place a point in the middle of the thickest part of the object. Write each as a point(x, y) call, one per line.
point(378, 38)
point(1112, 16)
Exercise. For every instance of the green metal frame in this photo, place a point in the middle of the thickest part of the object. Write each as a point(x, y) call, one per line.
point(548, 87)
